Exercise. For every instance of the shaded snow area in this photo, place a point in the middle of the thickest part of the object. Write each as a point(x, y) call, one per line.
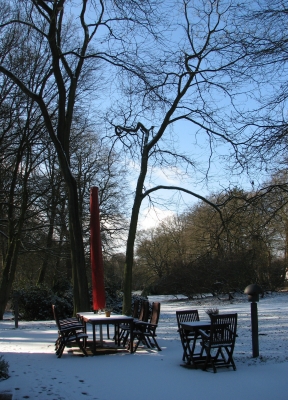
point(36, 372)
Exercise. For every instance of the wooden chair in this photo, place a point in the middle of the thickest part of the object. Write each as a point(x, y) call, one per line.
point(220, 342)
point(138, 316)
point(144, 311)
point(125, 327)
point(186, 337)
point(145, 332)
point(69, 330)
point(135, 311)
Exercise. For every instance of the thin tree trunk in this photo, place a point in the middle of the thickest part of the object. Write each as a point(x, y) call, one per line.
point(15, 226)
point(9, 273)
point(49, 242)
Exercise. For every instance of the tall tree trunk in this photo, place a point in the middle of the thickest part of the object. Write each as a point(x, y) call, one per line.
point(127, 283)
point(79, 277)
point(128, 267)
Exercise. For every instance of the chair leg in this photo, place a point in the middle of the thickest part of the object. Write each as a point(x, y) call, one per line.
point(57, 344)
point(154, 342)
point(230, 357)
point(208, 358)
point(61, 349)
point(81, 347)
point(125, 338)
point(148, 341)
point(219, 359)
point(121, 334)
point(213, 366)
point(140, 338)
point(185, 345)
point(137, 344)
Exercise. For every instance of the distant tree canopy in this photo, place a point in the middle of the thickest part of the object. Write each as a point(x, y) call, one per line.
point(197, 252)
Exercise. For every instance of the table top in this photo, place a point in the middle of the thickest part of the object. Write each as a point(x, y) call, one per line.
point(192, 326)
point(101, 318)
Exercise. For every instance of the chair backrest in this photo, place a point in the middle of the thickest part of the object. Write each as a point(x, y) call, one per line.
point(135, 313)
point(223, 328)
point(55, 313)
point(187, 316)
point(144, 312)
point(155, 314)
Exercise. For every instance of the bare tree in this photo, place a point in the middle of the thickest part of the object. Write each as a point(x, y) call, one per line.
point(18, 164)
point(193, 79)
point(264, 116)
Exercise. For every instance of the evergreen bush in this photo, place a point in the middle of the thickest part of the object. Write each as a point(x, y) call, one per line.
point(4, 368)
point(35, 303)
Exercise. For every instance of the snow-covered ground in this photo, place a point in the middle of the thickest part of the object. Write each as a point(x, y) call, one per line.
point(36, 372)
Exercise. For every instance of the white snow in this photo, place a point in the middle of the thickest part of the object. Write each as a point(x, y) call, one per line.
point(36, 372)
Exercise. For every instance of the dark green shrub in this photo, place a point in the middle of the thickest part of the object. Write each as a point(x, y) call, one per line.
point(4, 368)
point(35, 303)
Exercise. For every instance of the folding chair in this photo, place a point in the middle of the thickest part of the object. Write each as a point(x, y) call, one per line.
point(124, 328)
point(138, 316)
point(145, 332)
point(144, 311)
point(69, 330)
point(220, 342)
point(186, 338)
